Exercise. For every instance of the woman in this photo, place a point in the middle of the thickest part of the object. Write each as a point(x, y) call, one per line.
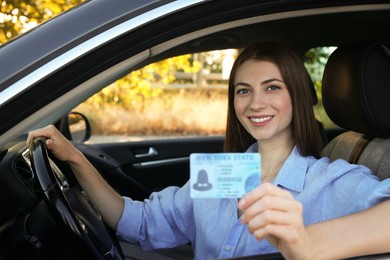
point(270, 112)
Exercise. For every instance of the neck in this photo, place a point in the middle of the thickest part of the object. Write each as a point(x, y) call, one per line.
point(273, 157)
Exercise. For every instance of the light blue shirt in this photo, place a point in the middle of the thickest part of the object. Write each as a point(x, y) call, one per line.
point(170, 218)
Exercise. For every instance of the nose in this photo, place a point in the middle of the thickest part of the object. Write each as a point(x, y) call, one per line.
point(258, 101)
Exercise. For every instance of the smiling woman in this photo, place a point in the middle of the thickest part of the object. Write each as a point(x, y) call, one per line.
point(259, 84)
point(263, 84)
point(140, 106)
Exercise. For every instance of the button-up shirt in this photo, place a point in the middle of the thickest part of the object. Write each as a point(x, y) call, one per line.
point(171, 217)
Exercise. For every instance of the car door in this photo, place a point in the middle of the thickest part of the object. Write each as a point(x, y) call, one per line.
point(145, 125)
point(136, 169)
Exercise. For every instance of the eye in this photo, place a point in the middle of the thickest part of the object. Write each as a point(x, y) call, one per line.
point(273, 87)
point(242, 91)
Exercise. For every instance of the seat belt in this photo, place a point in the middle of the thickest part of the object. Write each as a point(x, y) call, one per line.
point(359, 148)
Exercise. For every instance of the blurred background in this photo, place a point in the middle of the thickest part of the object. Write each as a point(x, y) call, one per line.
point(180, 96)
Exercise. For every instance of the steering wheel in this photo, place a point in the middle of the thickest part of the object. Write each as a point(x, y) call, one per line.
point(70, 207)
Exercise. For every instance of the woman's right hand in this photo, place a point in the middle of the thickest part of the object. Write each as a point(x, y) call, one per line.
point(61, 147)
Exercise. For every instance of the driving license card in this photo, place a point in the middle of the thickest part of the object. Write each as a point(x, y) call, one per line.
point(223, 175)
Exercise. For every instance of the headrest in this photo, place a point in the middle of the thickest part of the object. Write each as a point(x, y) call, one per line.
point(356, 88)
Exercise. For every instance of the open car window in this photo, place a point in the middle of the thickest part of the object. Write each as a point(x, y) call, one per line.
point(178, 97)
point(315, 60)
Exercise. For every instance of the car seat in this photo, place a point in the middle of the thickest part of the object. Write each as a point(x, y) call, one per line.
point(356, 96)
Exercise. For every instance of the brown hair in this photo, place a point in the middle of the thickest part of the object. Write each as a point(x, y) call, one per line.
point(304, 125)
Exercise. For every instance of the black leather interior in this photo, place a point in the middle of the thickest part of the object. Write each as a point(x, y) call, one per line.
point(356, 88)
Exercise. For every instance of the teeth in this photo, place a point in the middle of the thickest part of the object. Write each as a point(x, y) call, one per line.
point(259, 120)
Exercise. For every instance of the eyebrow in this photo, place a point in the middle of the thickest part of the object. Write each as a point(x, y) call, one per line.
point(262, 83)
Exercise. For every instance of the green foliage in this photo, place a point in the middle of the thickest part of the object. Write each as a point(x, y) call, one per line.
point(315, 60)
point(18, 16)
point(134, 90)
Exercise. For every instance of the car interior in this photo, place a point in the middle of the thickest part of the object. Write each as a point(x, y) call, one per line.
point(355, 96)
point(359, 72)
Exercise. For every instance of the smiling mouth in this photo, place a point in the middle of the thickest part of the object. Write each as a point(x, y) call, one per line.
point(260, 119)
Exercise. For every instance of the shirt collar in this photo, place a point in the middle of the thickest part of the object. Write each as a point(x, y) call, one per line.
point(293, 172)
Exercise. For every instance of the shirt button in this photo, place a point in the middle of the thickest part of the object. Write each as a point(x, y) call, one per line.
point(228, 248)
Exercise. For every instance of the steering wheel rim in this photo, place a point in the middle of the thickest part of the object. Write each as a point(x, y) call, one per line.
point(70, 207)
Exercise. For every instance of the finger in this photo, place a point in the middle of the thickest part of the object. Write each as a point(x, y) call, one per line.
point(261, 191)
point(274, 217)
point(277, 226)
point(50, 144)
point(271, 203)
point(45, 132)
point(280, 232)
point(53, 138)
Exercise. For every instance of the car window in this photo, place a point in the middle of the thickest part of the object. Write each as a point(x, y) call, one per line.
point(178, 97)
point(315, 60)
point(17, 17)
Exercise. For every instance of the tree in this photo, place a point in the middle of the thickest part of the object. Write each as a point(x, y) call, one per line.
point(18, 16)
point(315, 60)
point(133, 90)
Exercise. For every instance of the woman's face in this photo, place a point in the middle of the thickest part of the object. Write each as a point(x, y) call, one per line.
point(262, 101)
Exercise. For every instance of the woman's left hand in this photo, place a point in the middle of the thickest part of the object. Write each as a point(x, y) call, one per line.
point(272, 213)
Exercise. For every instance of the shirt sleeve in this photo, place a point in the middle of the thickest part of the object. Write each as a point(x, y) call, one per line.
point(162, 221)
point(379, 194)
point(356, 189)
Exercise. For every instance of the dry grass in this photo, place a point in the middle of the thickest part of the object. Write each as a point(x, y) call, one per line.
point(185, 113)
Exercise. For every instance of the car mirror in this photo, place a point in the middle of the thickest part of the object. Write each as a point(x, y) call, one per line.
point(79, 127)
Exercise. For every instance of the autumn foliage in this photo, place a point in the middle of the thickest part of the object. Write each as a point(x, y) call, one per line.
point(139, 103)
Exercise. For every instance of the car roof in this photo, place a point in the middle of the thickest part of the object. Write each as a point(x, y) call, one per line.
point(60, 55)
